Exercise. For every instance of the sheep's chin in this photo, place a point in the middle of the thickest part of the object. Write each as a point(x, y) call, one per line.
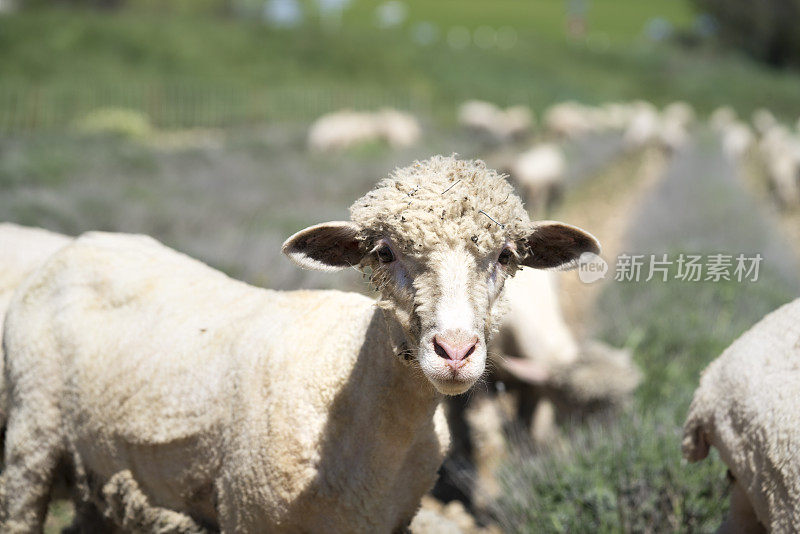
point(445, 380)
point(451, 387)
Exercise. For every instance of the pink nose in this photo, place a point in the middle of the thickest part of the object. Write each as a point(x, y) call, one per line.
point(454, 347)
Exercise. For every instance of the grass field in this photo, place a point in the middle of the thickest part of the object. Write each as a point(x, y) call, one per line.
point(202, 69)
point(224, 175)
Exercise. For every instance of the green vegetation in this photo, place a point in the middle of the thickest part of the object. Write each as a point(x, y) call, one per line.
point(628, 475)
point(205, 69)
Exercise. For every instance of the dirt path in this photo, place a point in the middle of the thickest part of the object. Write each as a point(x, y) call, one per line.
point(604, 206)
point(703, 206)
point(753, 173)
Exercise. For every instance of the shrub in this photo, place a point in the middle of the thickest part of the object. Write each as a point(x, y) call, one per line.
point(767, 29)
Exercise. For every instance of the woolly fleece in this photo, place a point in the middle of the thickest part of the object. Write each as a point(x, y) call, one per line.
point(746, 407)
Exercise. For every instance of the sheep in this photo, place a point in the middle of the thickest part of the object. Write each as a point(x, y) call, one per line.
point(540, 172)
point(746, 407)
point(558, 374)
point(567, 120)
point(250, 410)
point(644, 127)
point(763, 120)
point(780, 149)
point(722, 117)
point(500, 125)
point(346, 129)
point(23, 250)
point(681, 112)
point(737, 139)
point(398, 129)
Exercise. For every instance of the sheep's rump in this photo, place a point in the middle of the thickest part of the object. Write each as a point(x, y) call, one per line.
point(746, 407)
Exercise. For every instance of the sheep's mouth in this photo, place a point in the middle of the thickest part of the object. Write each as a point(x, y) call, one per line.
point(454, 385)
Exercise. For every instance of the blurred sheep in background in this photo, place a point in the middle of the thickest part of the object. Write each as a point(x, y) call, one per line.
point(737, 139)
point(539, 172)
point(346, 129)
point(499, 125)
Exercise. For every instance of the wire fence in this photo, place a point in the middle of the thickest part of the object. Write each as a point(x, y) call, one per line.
point(187, 104)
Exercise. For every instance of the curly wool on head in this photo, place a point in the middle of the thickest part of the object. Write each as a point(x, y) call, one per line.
point(443, 199)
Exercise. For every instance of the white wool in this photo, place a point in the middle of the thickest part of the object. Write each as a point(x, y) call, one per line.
point(487, 118)
point(722, 117)
point(737, 139)
point(644, 127)
point(763, 120)
point(347, 128)
point(543, 164)
point(680, 112)
point(184, 396)
point(397, 128)
point(221, 399)
point(535, 321)
point(567, 119)
point(746, 407)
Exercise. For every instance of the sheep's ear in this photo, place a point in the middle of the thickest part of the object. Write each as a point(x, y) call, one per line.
point(556, 245)
point(325, 247)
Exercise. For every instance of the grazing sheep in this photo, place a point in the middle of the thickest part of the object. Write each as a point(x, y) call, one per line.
point(540, 173)
point(541, 352)
point(764, 120)
point(644, 127)
point(346, 129)
point(737, 139)
point(567, 120)
point(746, 407)
point(251, 410)
point(500, 125)
point(680, 112)
point(722, 117)
point(780, 149)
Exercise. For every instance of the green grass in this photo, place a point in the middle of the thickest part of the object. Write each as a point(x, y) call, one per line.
point(628, 476)
point(189, 69)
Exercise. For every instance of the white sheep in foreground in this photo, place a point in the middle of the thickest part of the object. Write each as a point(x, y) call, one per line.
point(346, 129)
point(251, 410)
point(540, 172)
point(501, 125)
point(746, 407)
point(22, 250)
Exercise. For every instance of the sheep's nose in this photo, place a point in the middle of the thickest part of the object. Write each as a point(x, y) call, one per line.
point(457, 347)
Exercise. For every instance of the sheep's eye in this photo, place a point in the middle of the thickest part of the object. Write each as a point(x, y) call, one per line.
point(385, 254)
point(505, 257)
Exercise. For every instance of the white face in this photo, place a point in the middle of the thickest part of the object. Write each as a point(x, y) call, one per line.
point(449, 295)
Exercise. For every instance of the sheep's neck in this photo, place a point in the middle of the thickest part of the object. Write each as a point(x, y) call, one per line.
point(401, 401)
point(382, 425)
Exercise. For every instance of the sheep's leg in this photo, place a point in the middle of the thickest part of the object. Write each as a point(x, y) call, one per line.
point(127, 506)
point(741, 517)
point(31, 458)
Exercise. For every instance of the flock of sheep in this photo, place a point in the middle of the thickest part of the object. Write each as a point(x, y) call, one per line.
point(163, 396)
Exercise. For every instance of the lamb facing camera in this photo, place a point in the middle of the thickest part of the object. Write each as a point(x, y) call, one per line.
point(249, 410)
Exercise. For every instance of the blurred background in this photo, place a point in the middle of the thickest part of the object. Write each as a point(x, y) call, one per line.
point(663, 127)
